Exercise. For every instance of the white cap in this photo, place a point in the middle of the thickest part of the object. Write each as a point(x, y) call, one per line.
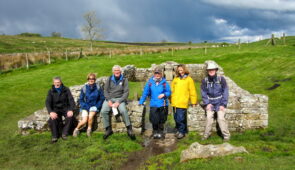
point(212, 66)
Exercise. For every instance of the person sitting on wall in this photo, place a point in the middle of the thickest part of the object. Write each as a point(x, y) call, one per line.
point(214, 92)
point(158, 90)
point(91, 99)
point(116, 93)
point(183, 90)
point(59, 102)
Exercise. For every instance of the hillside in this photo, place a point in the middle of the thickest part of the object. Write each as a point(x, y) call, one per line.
point(255, 67)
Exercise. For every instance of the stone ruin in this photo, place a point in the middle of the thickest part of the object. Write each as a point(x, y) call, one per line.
point(244, 111)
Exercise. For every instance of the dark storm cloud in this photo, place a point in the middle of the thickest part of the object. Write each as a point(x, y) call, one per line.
point(153, 20)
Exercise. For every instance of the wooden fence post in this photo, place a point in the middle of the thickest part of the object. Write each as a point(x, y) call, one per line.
point(49, 57)
point(27, 61)
point(110, 53)
point(66, 54)
point(239, 43)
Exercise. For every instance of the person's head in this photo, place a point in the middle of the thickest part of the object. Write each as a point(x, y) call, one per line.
point(117, 70)
point(212, 69)
point(158, 73)
point(91, 77)
point(181, 70)
point(57, 82)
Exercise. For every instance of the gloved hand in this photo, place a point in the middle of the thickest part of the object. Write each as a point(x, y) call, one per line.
point(93, 109)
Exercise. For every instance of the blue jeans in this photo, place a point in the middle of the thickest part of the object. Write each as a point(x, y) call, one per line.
point(181, 120)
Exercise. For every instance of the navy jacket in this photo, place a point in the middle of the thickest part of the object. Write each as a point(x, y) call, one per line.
point(153, 90)
point(215, 92)
point(92, 97)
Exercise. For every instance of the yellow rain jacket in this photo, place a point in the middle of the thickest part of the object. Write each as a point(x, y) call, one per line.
point(183, 90)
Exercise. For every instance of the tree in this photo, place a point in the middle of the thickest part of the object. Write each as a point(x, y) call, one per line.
point(92, 29)
point(55, 34)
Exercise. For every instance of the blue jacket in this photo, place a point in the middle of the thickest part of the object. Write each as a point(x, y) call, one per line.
point(93, 97)
point(215, 92)
point(153, 90)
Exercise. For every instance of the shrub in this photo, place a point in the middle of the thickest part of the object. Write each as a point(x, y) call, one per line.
point(27, 34)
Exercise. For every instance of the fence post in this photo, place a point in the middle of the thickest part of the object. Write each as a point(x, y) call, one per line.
point(172, 51)
point(49, 57)
point(141, 52)
point(110, 53)
point(284, 38)
point(66, 54)
point(239, 43)
point(27, 61)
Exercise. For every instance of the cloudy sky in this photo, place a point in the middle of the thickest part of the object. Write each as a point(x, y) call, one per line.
point(153, 20)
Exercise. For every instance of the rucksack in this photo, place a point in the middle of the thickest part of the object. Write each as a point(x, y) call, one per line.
point(84, 89)
point(207, 81)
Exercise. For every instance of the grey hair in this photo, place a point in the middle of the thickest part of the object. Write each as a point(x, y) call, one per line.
point(117, 67)
point(57, 78)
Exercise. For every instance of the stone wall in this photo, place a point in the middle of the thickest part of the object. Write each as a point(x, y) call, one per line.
point(245, 110)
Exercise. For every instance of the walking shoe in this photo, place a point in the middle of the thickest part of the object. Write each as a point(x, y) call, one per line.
point(180, 136)
point(176, 134)
point(130, 132)
point(64, 137)
point(88, 133)
point(76, 132)
point(54, 140)
point(204, 138)
point(156, 136)
point(225, 139)
point(108, 132)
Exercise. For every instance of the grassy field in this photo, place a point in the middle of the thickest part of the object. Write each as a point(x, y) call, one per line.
point(255, 67)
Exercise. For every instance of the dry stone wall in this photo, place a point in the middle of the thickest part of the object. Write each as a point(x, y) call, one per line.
point(244, 111)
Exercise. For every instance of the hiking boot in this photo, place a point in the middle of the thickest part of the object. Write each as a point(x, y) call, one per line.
point(180, 135)
point(64, 137)
point(108, 132)
point(54, 140)
point(76, 132)
point(176, 134)
point(130, 132)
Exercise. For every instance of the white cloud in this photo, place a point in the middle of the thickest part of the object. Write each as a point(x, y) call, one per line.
point(280, 5)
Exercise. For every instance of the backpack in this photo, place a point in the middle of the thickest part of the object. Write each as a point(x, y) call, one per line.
point(84, 89)
point(207, 81)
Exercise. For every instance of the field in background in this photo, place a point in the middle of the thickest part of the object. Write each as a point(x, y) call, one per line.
point(255, 67)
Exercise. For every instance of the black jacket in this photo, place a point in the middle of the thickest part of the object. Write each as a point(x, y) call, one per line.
point(60, 102)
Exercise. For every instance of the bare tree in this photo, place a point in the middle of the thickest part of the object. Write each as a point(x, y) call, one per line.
point(92, 29)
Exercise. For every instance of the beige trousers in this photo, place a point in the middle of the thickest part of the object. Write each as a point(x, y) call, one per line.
point(221, 121)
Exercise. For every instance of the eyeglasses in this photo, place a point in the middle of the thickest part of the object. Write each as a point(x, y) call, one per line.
point(91, 79)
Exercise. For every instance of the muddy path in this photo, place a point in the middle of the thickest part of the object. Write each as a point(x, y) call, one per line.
point(152, 147)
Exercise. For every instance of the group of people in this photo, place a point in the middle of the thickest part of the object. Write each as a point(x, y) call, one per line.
point(113, 97)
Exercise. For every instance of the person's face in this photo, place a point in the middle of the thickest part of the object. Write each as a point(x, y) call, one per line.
point(212, 72)
point(157, 75)
point(117, 72)
point(91, 80)
point(180, 71)
point(56, 83)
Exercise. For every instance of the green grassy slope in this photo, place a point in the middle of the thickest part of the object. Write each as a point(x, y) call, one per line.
point(254, 67)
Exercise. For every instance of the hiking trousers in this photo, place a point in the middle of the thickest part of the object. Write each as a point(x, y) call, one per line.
point(58, 128)
point(221, 122)
point(105, 113)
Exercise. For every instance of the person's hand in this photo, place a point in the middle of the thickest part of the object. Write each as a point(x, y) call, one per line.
point(208, 107)
point(110, 103)
point(53, 115)
point(70, 113)
point(116, 104)
point(221, 108)
point(161, 96)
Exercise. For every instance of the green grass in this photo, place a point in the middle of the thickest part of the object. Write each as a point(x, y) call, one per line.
point(254, 67)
